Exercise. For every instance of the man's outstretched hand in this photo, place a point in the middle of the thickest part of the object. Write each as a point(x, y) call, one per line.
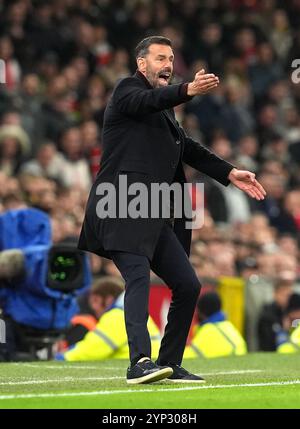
point(245, 180)
point(202, 83)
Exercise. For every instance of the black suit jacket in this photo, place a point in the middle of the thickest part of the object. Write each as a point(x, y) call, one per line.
point(142, 139)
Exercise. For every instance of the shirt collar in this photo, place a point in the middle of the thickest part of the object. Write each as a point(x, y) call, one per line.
point(219, 316)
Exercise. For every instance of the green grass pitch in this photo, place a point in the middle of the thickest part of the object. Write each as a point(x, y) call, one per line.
point(261, 380)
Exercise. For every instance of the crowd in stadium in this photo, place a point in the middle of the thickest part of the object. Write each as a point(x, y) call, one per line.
point(62, 59)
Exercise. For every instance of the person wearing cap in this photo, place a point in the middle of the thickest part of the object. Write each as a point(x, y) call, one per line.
point(215, 336)
point(288, 338)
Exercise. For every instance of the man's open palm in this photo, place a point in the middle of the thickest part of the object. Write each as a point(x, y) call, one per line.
point(245, 180)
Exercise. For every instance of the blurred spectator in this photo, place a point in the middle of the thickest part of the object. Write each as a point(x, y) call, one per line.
point(76, 168)
point(209, 46)
point(11, 116)
point(281, 36)
point(116, 68)
point(48, 163)
point(91, 145)
point(245, 45)
point(236, 119)
point(264, 71)
point(101, 46)
point(288, 339)
point(92, 306)
point(288, 245)
point(12, 66)
point(271, 317)
point(272, 206)
point(14, 146)
point(292, 206)
point(267, 123)
point(225, 204)
point(277, 149)
point(248, 152)
point(30, 104)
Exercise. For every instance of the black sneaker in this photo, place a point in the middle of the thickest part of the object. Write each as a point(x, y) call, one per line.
point(181, 375)
point(146, 371)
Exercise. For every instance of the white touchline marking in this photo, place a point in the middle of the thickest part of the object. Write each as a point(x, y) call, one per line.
point(126, 391)
point(242, 371)
point(59, 380)
point(26, 381)
point(70, 366)
point(65, 366)
point(117, 368)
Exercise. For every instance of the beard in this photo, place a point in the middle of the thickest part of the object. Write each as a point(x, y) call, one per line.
point(155, 78)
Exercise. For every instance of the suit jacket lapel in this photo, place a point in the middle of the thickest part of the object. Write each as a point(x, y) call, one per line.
point(168, 115)
point(171, 119)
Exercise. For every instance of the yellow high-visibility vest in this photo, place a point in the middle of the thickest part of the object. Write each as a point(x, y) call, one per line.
point(215, 340)
point(109, 339)
point(293, 344)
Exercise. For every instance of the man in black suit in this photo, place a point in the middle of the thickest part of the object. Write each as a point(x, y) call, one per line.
point(143, 141)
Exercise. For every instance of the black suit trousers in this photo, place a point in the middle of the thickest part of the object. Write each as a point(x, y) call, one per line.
point(171, 264)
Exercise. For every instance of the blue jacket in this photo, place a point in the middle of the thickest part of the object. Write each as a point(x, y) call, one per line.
point(30, 301)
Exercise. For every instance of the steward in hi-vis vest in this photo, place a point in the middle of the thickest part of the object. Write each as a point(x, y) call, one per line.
point(215, 336)
point(108, 338)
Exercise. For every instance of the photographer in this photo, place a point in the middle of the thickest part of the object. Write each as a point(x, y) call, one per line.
point(39, 283)
point(11, 265)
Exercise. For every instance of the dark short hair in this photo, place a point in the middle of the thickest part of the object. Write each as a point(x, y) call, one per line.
point(209, 303)
point(142, 48)
point(294, 303)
